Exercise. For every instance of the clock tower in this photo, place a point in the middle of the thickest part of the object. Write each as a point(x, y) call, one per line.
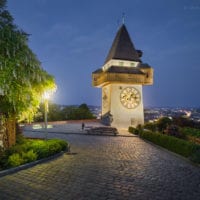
point(121, 79)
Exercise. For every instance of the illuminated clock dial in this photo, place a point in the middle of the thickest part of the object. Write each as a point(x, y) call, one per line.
point(130, 97)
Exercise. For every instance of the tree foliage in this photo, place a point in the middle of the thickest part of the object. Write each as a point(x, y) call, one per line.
point(60, 113)
point(82, 112)
point(55, 113)
point(163, 122)
point(22, 80)
point(185, 122)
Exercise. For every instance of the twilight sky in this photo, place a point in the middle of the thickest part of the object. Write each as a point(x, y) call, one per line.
point(72, 39)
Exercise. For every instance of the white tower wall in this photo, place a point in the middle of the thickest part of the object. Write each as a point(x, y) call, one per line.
point(123, 117)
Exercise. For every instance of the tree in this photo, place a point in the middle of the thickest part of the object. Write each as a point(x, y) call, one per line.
point(59, 113)
point(22, 80)
point(186, 122)
point(163, 122)
point(55, 113)
point(150, 126)
point(81, 112)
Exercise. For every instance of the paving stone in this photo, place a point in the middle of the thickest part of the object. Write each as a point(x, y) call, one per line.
point(105, 168)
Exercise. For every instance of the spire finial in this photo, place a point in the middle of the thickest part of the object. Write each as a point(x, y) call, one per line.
point(123, 18)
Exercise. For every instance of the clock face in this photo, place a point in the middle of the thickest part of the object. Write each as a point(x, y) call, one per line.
point(130, 97)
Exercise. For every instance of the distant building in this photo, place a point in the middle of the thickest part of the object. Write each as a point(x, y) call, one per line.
point(121, 79)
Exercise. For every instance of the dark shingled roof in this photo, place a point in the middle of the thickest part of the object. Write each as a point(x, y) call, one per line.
point(122, 47)
point(98, 71)
point(144, 65)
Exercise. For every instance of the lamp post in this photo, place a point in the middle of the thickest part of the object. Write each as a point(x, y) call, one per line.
point(46, 97)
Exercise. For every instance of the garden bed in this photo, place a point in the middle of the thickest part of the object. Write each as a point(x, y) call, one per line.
point(30, 150)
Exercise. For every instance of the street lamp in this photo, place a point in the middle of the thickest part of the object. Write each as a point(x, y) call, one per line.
point(46, 97)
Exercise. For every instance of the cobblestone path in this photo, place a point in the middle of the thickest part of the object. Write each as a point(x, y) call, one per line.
point(106, 168)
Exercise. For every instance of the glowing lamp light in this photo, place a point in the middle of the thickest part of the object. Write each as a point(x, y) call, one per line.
point(46, 96)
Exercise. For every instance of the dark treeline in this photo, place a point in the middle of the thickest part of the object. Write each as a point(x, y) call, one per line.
point(60, 113)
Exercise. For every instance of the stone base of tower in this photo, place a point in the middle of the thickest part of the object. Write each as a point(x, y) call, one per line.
point(124, 123)
point(117, 115)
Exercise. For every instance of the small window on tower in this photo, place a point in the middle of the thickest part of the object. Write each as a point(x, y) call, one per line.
point(132, 64)
point(132, 121)
point(121, 63)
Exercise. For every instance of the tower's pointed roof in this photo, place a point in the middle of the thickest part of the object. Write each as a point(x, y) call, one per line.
point(122, 47)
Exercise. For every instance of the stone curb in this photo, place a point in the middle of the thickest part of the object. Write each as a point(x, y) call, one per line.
point(31, 164)
point(118, 135)
point(62, 132)
point(83, 133)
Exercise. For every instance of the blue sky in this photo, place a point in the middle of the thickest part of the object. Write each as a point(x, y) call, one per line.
point(72, 39)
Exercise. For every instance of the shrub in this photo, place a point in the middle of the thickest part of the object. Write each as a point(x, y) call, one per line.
point(40, 148)
point(14, 149)
point(162, 123)
point(30, 150)
point(133, 130)
point(174, 130)
point(29, 156)
point(54, 147)
point(176, 145)
point(45, 148)
point(14, 160)
point(150, 126)
point(195, 157)
point(17, 159)
point(63, 144)
point(20, 139)
point(186, 122)
point(191, 131)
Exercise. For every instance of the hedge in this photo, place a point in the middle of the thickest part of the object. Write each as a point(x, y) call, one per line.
point(133, 130)
point(179, 146)
point(191, 131)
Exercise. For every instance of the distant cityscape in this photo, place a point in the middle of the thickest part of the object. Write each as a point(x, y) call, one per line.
point(153, 113)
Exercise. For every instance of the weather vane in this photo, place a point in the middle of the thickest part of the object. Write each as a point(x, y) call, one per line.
point(123, 18)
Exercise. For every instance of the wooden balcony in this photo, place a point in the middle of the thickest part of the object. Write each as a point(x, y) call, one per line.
point(104, 78)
